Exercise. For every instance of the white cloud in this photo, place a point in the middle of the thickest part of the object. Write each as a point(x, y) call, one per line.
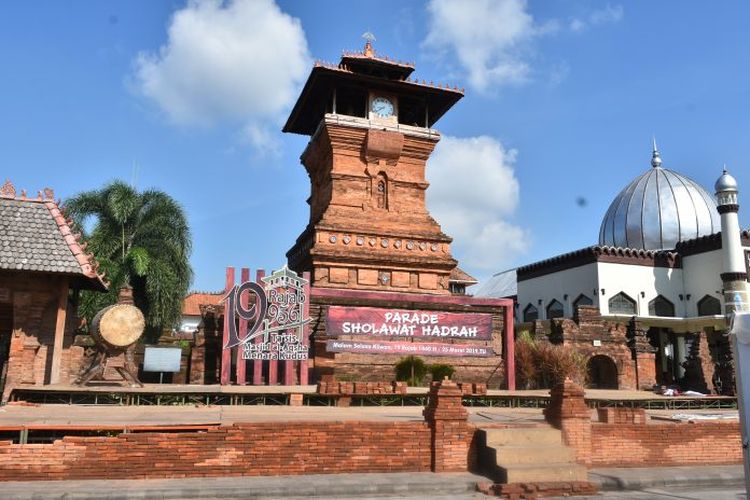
point(236, 61)
point(608, 15)
point(492, 40)
point(485, 36)
point(473, 191)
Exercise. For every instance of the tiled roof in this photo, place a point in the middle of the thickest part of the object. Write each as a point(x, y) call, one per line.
point(192, 303)
point(458, 275)
point(34, 236)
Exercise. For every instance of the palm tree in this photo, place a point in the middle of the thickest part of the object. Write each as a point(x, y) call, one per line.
point(141, 240)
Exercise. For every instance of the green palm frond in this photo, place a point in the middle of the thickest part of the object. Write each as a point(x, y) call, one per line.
point(139, 239)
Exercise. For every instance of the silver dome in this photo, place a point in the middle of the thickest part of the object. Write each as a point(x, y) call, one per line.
point(657, 210)
point(726, 183)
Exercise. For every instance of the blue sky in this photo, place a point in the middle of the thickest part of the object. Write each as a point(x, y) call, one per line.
point(562, 99)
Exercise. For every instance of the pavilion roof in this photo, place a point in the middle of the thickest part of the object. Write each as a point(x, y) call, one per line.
point(36, 237)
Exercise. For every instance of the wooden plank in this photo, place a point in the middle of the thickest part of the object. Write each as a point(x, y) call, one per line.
point(226, 354)
point(62, 311)
point(240, 362)
point(258, 363)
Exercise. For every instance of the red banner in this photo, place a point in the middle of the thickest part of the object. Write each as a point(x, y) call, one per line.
point(409, 348)
point(406, 323)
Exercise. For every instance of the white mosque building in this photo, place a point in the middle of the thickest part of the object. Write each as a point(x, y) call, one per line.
point(657, 268)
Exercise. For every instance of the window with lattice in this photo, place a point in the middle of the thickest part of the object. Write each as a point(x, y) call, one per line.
point(621, 304)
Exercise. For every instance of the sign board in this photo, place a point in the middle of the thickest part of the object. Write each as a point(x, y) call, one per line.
point(276, 319)
point(409, 348)
point(376, 322)
point(162, 359)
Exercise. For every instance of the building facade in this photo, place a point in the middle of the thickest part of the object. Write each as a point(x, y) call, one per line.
point(651, 288)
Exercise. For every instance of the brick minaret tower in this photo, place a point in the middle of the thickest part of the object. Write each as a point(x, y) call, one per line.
point(371, 136)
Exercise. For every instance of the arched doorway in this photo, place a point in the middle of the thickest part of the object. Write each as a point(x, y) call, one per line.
point(6, 329)
point(602, 372)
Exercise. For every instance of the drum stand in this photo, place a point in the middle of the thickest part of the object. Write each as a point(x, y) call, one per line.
point(105, 357)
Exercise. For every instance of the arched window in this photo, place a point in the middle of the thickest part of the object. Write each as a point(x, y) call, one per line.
point(582, 300)
point(531, 313)
point(660, 306)
point(381, 191)
point(555, 309)
point(709, 306)
point(621, 304)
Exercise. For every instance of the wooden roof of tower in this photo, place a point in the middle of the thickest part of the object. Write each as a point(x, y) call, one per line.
point(365, 69)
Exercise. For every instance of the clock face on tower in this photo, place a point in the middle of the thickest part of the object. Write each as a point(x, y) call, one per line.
point(382, 107)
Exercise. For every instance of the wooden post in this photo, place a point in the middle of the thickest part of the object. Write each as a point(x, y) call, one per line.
point(226, 354)
point(242, 332)
point(303, 365)
point(258, 363)
point(62, 311)
point(510, 348)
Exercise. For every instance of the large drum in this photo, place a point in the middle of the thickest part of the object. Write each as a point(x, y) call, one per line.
point(119, 326)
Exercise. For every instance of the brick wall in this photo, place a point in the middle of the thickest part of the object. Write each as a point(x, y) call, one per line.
point(624, 437)
point(241, 449)
point(444, 441)
point(637, 445)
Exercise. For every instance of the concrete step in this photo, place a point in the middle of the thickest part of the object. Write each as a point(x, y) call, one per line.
point(533, 454)
point(543, 473)
point(523, 436)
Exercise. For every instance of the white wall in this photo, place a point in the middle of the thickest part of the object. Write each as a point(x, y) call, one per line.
point(702, 277)
point(636, 281)
point(571, 282)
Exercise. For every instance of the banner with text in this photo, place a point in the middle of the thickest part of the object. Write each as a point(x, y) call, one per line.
point(404, 323)
point(408, 348)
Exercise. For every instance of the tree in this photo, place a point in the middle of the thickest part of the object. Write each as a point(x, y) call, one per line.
point(139, 239)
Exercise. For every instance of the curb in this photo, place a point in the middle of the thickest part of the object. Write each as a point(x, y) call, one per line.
point(622, 479)
point(319, 485)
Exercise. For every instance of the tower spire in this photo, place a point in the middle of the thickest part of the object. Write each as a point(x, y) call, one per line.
point(655, 158)
point(369, 38)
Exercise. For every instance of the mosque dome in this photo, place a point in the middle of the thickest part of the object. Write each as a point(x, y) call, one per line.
point(657, 210)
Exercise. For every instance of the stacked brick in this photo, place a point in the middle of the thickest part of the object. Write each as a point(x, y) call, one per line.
point(568, 412)
point(360, 388)
point(452, 436)
point(624, 437)
point(242, 449)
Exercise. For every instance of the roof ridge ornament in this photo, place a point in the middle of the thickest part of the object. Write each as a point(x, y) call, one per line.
point(369, 38)
point(8, 190)
point(655, 157)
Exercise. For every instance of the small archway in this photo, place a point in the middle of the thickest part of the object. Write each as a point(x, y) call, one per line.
point(602, 372)
point(555, 309)
point(582, 300)
point(530, 313)
point(661, 306)
point(709, 306)
point(621, 304)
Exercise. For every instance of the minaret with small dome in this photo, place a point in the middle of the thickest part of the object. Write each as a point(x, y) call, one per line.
point(733, 271)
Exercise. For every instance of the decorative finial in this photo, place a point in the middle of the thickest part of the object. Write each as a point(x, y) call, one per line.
point(725, 169)
point(7, 190)
point(655, 158)
point(369, 38)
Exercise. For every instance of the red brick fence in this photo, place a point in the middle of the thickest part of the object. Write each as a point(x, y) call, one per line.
point(442, 442)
